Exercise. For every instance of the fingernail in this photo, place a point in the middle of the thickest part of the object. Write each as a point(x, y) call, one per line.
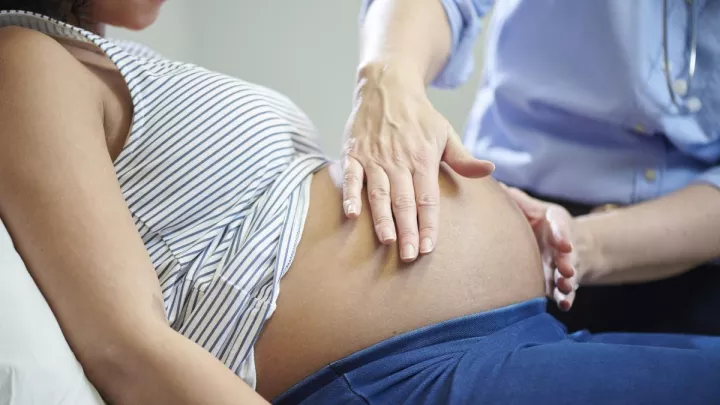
point(408, 252)
point(350, 208)
point(426, 246)
point(387, 236)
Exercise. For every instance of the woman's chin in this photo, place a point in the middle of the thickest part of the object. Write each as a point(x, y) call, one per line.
point(137, 18)
point(139, 22)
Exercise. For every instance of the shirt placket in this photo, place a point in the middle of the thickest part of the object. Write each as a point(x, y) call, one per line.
point(650, 170)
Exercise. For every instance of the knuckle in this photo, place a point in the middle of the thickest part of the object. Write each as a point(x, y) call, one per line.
point(378, 194)
point(427, 200)
point(403, 203)
point(396, 157)
point(375, 170)
point(382, 220)
point(421, 159)
point(407, 233)
point(428, 230)
point(375, 153)
point(350, 147)
point(351, 179)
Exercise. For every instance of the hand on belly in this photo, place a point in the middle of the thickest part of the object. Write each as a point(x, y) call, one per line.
point(345, 291)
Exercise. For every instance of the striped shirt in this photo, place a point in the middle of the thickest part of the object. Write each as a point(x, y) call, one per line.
point(216, 173)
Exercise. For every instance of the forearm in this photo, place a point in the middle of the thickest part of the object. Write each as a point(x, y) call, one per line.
point(412, 35)
point(160, 366)
point(652, 240)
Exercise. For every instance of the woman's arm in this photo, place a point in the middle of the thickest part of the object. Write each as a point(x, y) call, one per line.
point(62, 204)
point(652, 240)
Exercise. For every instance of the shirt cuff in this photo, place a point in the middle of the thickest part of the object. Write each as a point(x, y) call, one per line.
point(711, 177)
point(464, 17)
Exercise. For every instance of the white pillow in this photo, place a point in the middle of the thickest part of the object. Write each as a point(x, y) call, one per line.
point(36, 363)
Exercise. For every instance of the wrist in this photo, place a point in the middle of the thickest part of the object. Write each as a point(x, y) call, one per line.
point(590, 261)
point(395, 73)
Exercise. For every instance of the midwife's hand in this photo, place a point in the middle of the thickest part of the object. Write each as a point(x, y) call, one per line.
point(395, 143)
point(553, 227)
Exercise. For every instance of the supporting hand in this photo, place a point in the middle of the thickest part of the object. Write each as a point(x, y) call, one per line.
point(553, 227)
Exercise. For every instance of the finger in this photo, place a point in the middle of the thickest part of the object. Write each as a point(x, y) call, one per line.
point(564, 291)
point(564, 264)
point(565, 285)
point(548, 275)
point(561, 300)
point(352, 187)
point(404, 210)
point(427, 195)
point(569, 301)
point(531, 207)
point(462, 161)
point(560, 229)
point(562, 283)
point(378, 187)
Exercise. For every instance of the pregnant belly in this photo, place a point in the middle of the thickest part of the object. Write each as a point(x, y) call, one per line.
point(345, 292)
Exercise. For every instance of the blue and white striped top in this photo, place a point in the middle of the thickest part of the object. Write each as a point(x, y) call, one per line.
point(216, 173)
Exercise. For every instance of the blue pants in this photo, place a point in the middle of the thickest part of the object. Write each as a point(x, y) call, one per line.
point(518, 355)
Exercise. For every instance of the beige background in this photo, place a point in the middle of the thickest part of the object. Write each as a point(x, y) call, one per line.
point(305, 49)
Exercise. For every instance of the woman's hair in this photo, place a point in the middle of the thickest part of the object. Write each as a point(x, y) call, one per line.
point(60, 10)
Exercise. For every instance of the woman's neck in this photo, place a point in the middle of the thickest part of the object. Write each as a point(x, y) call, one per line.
point(97, 28)
point(87, 53)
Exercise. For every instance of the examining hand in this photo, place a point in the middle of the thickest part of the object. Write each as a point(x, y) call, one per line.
point(553, 229)
point(395, 143)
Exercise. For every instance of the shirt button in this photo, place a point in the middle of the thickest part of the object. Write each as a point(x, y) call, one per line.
point(680, 86)
point(640, 129)
point(650, 175)
point(693, 104)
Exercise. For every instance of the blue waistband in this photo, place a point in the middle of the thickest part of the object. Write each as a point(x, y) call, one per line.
point(469, 326)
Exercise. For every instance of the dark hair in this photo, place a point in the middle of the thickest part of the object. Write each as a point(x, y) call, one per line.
point(60, 10)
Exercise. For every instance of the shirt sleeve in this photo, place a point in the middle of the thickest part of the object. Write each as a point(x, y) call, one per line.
point(464, 17)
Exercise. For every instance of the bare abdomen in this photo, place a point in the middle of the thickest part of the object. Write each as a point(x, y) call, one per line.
point(345, 292)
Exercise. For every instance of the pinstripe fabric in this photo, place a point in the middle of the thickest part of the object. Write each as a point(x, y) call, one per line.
point(216, 173)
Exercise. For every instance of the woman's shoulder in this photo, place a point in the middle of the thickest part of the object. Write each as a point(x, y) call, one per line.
point(34, 51)
point(38, 74)
point(17, 44)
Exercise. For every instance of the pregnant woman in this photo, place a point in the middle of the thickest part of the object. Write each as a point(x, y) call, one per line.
point(190, 238)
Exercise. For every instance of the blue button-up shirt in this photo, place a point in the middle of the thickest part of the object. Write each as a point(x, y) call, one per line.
point(574, 102)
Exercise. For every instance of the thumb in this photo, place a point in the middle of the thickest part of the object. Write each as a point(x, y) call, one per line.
point(461, 161)
point(560, 230)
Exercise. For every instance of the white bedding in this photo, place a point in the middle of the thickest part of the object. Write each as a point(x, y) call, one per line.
point(37, 366)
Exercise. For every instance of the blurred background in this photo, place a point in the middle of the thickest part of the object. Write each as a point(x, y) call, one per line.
point(306, 49)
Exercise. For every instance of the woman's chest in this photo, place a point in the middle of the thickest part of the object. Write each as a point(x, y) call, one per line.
point(204, 148)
